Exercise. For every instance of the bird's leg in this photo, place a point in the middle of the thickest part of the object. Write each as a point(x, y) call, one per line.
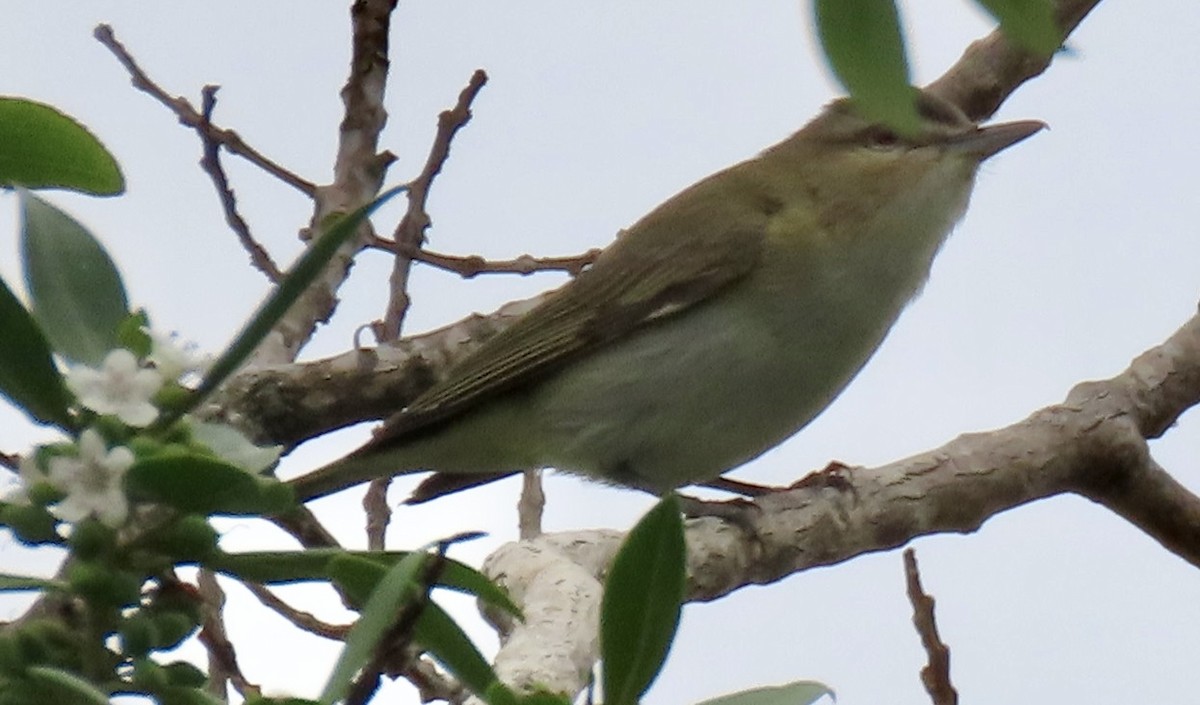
point(835, 475)
point(740, 512)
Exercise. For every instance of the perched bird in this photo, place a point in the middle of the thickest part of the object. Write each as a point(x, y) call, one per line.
point(713, 328)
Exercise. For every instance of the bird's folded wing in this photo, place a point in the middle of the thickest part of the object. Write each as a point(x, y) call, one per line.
point(626, 288)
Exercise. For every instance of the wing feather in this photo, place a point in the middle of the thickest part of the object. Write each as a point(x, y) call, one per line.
point(684, 257)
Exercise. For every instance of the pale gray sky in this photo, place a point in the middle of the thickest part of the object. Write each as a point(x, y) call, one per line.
point(1079, 251)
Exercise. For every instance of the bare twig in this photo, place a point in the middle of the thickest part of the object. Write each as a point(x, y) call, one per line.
point(358, 172)
point(222, 658)
point(935, 674)
point(211, 163)
point(302, 620)
point(471, 266)
point(531, 505)
point(192, 118)
point(303, 526)
point(432, 684)
point(410, 233)
point(379, 514)
point(393, 652)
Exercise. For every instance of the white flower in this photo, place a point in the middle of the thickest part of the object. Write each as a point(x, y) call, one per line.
point(173, 360)
point(119, 387)
point(92, 481)
point(29, 475)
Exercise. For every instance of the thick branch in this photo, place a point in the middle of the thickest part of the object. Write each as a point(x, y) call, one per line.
point(358, 172)
point(992, 69)
point(1093, 445)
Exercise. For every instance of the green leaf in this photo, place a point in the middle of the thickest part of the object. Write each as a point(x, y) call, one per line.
point(364, 579)
point(543, 698)
point(399, 588)
point(641, 605)
point(865, 48)
point(41, 147)
point(16, 583)
point(357, 577)
point(275, 567)
point(1030, 24)
point(77, 293)
point(28, 377)
point(201, 484)
point(132, 335)
point(294, 283)
point(438, 634)
point(797, 693)
point(65, 688)
point(31, 524)
point(179, 695)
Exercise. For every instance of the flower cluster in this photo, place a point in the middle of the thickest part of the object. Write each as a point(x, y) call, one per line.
point(88, 476)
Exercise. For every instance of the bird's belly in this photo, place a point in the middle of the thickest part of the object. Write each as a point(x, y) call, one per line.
point(699, 394)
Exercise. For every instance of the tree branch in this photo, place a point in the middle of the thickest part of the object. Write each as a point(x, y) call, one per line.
point(1093, 444)
point(189, 116)
point(358, 172)
point(211, 164)
point(410, 233)
point(936, 673)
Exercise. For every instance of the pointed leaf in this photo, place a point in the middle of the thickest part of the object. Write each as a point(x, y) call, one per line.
point(203, 485)
point(77, 294)
point(398, 589)
point(441, 636)
point(18, 583)
point(865, 48)
point(298, 278)
point(275, 567)
point(182, 695)
point(797, 693)
point(63, 687)
point(41, 147)
point(641, 605)
point(543, 698)
point(28, 377)
point(1030, 24)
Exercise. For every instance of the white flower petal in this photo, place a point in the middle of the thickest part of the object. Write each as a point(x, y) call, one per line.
point(92, 481)
point(172, 359)
point(120, 387)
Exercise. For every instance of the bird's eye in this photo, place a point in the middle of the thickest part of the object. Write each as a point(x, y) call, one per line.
point(882, 139)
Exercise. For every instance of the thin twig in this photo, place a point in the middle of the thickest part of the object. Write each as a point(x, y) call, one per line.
point(410, 233)
point(304, 621)
point(936, 674)
point(190, 117)
point(211, 164)
point(393, 652)
point(432, 684)
point(531, 505)
point(471, 266)
point(379, 514)
point(222, 658)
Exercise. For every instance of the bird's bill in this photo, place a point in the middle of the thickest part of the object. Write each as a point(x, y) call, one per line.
point(991, 139)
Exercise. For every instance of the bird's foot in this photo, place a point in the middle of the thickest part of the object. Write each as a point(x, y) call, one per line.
point(742, 513)
point(836, 475)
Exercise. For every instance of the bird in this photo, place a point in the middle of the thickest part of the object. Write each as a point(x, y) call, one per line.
point(712, 329)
